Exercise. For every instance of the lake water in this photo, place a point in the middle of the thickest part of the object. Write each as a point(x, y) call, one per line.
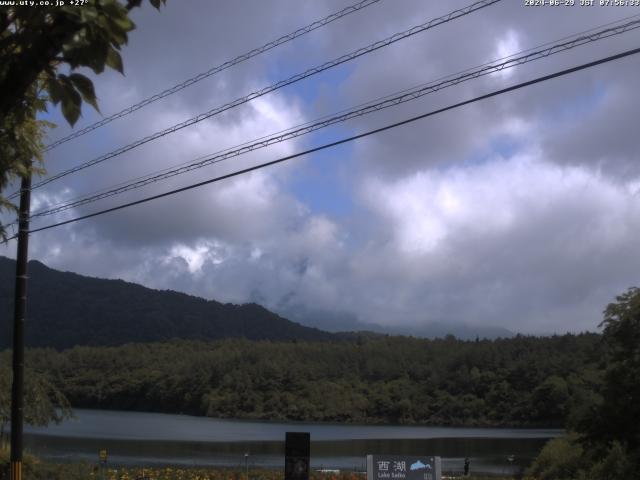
point(161, 439)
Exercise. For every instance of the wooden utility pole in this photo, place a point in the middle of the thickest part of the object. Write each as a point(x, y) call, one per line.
point(19, 315)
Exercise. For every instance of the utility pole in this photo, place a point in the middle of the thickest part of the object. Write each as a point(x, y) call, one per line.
point(19, 315)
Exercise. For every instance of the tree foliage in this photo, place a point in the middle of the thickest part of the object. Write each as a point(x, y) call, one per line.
point(612, 431)
point(607, 442)
point(618, 416)
point(369, 379)
point(44, 402)
point(560, 459)
point(21, 141)
point(36, 42)
point(41, 49)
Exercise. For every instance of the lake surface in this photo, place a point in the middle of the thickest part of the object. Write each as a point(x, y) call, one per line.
point(162, 439)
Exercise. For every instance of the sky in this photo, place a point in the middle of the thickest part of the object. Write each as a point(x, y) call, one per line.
point(520, 211)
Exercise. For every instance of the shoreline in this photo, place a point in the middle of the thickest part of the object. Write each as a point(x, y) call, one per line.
point(149, 426)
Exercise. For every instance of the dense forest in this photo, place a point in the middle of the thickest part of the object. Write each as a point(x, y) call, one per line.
point(524, 381)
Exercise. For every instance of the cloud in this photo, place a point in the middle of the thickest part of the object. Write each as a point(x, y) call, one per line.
point(506, 47)
point(482, 244)
point(496, 240)
point(519, 211)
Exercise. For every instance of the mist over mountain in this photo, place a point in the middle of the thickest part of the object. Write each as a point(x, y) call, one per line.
point(345, 322)
point(66, 309)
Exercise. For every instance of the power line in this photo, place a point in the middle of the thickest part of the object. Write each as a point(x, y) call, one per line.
point(388, 101)
point(346, 140)
point(384, 97)
point(282, 83)
point(217, 69)
point(517, 58)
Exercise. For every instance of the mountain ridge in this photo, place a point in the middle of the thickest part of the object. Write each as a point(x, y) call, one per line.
point(109, 312)
point(115, 312)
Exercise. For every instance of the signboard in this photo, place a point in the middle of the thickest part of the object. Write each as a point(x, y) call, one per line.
point(401, 467)
point(296, 462)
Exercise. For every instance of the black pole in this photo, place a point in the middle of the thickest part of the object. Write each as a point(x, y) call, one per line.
point(20, 311)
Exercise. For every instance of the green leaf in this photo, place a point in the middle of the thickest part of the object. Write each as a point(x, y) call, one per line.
point(71, 100)
point(118, 36)
point(88, 14)
point(113, 8)
point(71, 111)
point(55, 90)
point(85, 87)
point(122, 22)
point(90, 51)
point(114, 60)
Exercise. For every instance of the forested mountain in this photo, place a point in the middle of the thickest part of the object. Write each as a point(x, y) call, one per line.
point(240, 361)
point(66, 309)
point(523, 381)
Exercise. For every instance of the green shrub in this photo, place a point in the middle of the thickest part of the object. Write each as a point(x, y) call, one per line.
point(616, 464)
point(560, 459)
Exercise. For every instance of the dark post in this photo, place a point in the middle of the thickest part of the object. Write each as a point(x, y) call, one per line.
point(20, 310)
point(297, 449)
